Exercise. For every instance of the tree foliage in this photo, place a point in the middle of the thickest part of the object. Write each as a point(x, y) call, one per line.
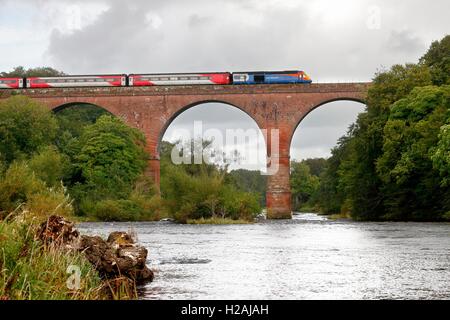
point(21, 72)
point(392, 164)
point(193, 191)
point(110, 157)
point(303, 184)
point(437, 59)
point(25, 126)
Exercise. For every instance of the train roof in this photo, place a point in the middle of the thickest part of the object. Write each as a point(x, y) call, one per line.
point(79, 75)
point(178, 73)
point(283, 71)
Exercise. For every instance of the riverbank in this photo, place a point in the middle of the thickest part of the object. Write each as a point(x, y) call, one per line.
point(218, 220)
point(30, 271)
point(50, 261)
point(211, 220)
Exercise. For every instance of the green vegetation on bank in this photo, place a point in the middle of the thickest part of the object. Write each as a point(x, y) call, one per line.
point(30, 271)
point(217, 220)
point(393, 164)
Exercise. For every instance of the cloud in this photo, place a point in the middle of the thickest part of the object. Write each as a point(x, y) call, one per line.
point(405, 41)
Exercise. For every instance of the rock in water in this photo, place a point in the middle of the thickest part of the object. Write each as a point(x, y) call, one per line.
point(114, 260)
point(120, 238)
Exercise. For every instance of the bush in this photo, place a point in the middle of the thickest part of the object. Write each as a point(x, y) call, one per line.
point(49, 165)
point(19, 186)
point(137, 208)
point(204, 194)
point(116, 210)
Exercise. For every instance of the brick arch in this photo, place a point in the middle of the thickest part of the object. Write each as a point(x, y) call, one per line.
point(57, 105)
point(314, 106)
point(180, 109)
point(73, 104)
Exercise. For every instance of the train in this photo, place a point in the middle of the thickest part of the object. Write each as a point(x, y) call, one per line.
point(161, 79)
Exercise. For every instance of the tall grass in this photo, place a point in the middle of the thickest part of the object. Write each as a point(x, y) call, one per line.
point(31, 271)
point(28, 270)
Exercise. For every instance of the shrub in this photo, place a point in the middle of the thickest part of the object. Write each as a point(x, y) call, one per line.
point(49, 165)
point(19, 186)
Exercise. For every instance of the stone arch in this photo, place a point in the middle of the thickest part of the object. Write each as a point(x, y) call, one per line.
point(72, 104)
point(321, 103)
point(58, 106)
point(188, 106)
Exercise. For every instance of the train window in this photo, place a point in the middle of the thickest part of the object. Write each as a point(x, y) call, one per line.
point(204, 78)
point(7, 81)
point(259, 77)
point(240, 77)
point(182, 78)
point(173, 78)
point(164, 79)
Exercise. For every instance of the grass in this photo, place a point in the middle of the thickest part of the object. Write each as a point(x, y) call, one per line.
point(337, 216)
point(217, 220)
point(307, 208)
point(30, 271)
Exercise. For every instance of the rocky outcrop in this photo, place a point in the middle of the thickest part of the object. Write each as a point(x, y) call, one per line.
point(117, 257)
point(114, 258)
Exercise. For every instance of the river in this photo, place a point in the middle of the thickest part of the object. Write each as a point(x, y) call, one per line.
point(308, 257)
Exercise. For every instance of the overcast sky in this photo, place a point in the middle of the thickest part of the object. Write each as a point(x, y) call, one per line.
point(331, 40)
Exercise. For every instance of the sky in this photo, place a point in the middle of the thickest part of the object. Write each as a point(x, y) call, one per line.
point(333, 41)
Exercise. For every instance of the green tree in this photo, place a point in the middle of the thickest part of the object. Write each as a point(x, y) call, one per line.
point(330, 196)
point(249, 181)
point(110, 158)
point(437, 59)
point(411, 186)
point(316, 165)
point(357, 173)
point(193, 191)
point(303, 184)
point(441, 155)
point(25, 126)
point(50, 166)
point(76, 117)
point(21, 72)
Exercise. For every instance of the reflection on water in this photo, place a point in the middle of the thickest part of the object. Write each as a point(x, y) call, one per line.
point(308, 257)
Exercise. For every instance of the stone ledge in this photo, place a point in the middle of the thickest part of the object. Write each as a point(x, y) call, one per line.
point(188, 90)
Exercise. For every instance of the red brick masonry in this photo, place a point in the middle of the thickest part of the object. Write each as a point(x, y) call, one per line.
point(152, 109)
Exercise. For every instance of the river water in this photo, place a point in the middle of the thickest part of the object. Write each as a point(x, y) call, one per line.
point(308, 257)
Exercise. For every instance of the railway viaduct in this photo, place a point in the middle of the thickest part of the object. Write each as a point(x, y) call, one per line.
point(151, 109)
